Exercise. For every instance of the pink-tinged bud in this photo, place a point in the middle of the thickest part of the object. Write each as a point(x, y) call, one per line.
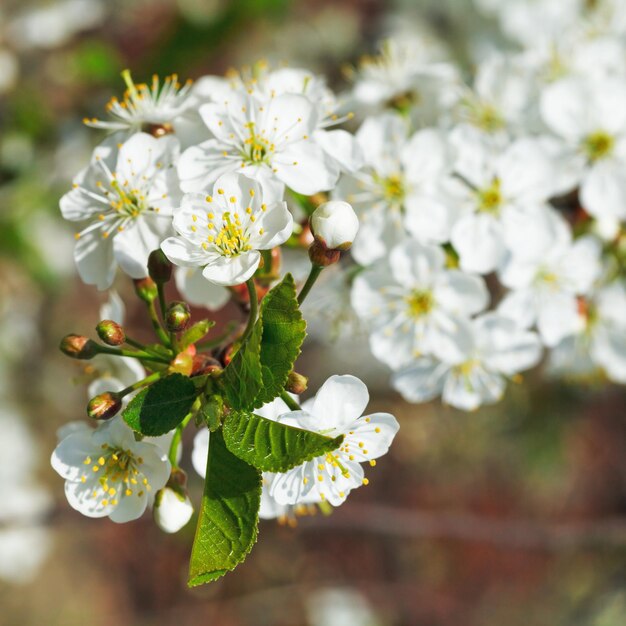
point(296, 383)
point(177, 317)
point(146, 289)
point(322, 256)
point(335, 224)
point(104, 406)
point(78, 347)
point(111, 333)
point(205, 364)
point(159, 266)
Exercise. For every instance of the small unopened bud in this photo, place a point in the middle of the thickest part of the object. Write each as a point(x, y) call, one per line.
point(321, 255)
point(146, 289)
point(104, 406)
point(111, 333)
point(296, 383)
point(172, 509)
point(159, 266)
point(335, 224)
point(78, 347)
point(177, 317)
point(205, 364)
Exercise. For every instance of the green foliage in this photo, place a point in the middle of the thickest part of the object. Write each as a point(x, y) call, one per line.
point(212, 411)
point(194, 333)
point(259, 370)
point(271, 446)
point(160, 407)
point(227, 526)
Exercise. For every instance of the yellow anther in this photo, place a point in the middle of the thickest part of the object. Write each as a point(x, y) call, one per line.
point(366, 481)
point(101, 460)
point(220, 191)
point(372, 462)
point(209, 198)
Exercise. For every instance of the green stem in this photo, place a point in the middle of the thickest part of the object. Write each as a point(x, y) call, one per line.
point(176, 439)
point(161, 292)
point(141, 383)
point(316, 270)
point(289, 401)
point(209, 344)
point(140, 346)
point(156, 324)
point(254, 307)
point(142, 356)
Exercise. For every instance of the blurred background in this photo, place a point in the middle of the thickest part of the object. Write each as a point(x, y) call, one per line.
point(513, 515)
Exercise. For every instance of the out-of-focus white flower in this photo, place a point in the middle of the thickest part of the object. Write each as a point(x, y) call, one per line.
point(335, 224)
point(496, 193)
point(408, 74)
point(9, 70)
point(55, 24)
point(590, 117)
point(415, 307)
point(114, 308)
point(24, 545)
point(223, 232)
point(23, 551)
point(126, 197)
point(601, 340)
point(395, 191)
point(156, 104)
point(545, 286)
point(501, 100)
point(499, 350)
point(172, 510)
point(339, 606)
point(108, 473)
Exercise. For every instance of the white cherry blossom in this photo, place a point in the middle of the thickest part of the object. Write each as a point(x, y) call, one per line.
point(124, 201)
point(546, 285)
point(223, 231)
point(108, 473)
point(414, 306)
point(395, 191)
point(271, 140)
point(498, 351)
point(590, 117)
point(143, 105)
point(337, 409)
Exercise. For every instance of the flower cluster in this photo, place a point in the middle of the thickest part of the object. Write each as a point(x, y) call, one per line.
point(480, 224)
point(192, 183)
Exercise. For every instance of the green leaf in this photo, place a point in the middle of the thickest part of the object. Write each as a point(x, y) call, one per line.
point(227, 526)
point(195, 333)
point(160, 407)
point(284, 330)
point(271, 446)
point(242, 377)
point(258, 372)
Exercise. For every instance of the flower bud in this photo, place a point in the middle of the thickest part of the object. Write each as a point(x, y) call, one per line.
point(335, 224)
point(172, 509)
point(296, 383)
point(104, 406)
point(111, 333)
point(182, 364)
point(78, 347)
point(205, 364)
point(146, 289)
point(177, 316)
point(159, 266)
point(321, 255)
